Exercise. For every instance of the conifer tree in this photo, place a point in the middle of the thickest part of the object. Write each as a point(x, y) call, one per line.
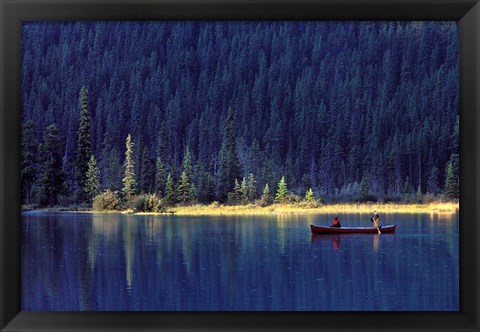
point(407, 189)
point(252, 190)
point(282, 191)
point(29, 159)
point(160, 177)
point(419, 194)
point(147, 172)
point(364, 187)
point(266, 190)
point(169, 192)
point(244, 191)
point(432, 182)
point(229, 161)
point(185, 189)
point(265, 199)
point(51, 179)
point(84, 145)
point(237, 192)
point(309, 195)
point(111, 166)
point(451, 178)
point(187, 164)
point(92, 182)
point(129, 184)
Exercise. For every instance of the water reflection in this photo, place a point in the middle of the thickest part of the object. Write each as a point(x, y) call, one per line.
point(127, 262)
point(335, 239)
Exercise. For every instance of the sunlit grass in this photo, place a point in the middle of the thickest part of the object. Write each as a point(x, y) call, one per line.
point(251, 209)
point(293, 208)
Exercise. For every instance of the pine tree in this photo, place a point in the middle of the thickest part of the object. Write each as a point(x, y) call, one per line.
point(244, 191)
point(451, 178)
point(282, 191)
point(92, 183)
point(185, 189)
point(309, 195)
point(84, 145)
point(266, 190)
point(229, 162)
point(111, 166)
point(160, 177)
point(364, 187)
point(187, 164)
point(129, 184)
point(29, 159)
point(419, 194)
point(147, 172)
point(265, 199)
point(237, 193)
point(252, 190)
point(51, 179)
point(432, 182)
point(407, 189)
point(169, 192)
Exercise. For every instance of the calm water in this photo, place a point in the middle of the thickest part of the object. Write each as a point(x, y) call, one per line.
point(124, 262)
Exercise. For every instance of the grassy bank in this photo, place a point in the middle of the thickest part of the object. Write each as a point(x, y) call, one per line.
point(251, 209)
point(216, 209)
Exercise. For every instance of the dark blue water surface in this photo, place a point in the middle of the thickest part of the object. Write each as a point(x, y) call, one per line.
point(76, 261)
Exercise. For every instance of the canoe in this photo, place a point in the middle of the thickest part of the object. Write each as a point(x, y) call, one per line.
point(340, 230)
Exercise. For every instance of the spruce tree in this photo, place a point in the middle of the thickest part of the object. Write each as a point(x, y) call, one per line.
point(187, 164)
point(266, 199)
point(229, 161)
point(237, 193)
point(29, 159)
point(51, 179)
point(129, 184)
point(364, 187)
point(252, 190)
point(111, 166)
point(244, 191)
point(84, 145)
point(147, 172)
point(407, 189)
point(282, 191)
point(92, 182)
point(185, 190)
point(266, 190)
point(432, 182)
point(169, 192)
point(451, 178)
point(309, 195)
point(160, 177)
point(419, 194)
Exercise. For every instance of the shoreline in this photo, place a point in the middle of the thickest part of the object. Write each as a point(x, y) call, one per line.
point(283, 209)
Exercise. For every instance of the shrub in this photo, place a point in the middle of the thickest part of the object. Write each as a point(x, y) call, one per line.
point(215, 204)
point(368, 198)
point(292, 198)
point(108, 200)
point(432, 198)
point(392, 199)
point(148, 203)
point(264, 201)
point(311, 204)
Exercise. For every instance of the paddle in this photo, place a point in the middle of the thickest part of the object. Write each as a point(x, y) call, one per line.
point(375, 223)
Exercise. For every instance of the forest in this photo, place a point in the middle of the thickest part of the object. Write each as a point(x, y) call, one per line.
point(234, 112)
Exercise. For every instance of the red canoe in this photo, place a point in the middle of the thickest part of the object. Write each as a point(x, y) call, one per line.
point(339, 230)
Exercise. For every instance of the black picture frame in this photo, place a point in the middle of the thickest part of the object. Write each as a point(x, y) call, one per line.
point(13, 12)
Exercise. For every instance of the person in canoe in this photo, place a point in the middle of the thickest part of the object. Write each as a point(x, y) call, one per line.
point(376, 220)
point(336, 222)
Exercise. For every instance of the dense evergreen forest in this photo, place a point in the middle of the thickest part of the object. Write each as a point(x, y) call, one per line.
point(231, 111)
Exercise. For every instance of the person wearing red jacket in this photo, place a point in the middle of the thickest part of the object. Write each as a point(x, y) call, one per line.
point(336, 222)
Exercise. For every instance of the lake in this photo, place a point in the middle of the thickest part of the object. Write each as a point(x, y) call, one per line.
point(97, 262)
